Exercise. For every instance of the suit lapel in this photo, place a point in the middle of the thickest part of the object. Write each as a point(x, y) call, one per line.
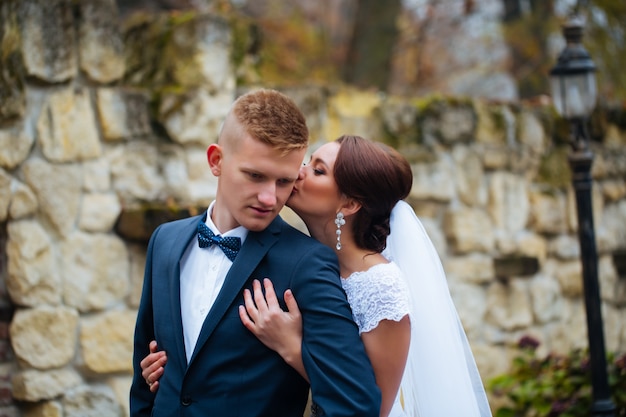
point(252, 252)
point(178, 246)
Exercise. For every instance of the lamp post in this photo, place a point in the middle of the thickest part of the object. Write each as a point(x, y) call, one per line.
point(573, 85)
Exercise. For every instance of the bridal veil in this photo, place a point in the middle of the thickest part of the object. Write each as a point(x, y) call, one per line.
point(441, 378)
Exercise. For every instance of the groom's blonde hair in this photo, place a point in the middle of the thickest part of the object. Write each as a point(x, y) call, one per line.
point(271, 117)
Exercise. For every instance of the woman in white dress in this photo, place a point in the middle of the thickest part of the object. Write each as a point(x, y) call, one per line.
point(350, 196)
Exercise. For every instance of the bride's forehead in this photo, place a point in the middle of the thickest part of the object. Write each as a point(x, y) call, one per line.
point(328, 151)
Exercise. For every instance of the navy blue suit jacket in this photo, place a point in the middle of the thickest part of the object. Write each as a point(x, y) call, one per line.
point(231, 373)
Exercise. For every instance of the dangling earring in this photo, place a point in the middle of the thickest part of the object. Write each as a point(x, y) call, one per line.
point(339, 221)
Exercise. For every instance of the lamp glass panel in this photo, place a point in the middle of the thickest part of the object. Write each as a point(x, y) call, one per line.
point(574, 95)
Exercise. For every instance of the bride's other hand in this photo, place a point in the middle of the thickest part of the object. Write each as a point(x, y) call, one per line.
point(153, 366)
point(279, 330)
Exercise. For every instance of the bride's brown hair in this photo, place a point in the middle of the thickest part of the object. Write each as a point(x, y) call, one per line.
point(377, 176)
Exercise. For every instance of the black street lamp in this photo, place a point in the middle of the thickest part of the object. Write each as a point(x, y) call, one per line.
point(573, 85)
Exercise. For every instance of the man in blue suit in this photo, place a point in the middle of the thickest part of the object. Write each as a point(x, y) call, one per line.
point(198, 268)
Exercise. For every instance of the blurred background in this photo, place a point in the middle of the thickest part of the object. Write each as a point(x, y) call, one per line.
point(499, 49)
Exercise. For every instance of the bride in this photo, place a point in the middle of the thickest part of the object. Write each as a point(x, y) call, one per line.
point(350, 196)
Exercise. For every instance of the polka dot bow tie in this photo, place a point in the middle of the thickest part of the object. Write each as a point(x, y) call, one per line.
point(229, 245)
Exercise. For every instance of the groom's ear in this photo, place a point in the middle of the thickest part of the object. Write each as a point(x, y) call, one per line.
point(214, 155)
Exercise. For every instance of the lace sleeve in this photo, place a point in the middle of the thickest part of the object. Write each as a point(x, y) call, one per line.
point(377, 294)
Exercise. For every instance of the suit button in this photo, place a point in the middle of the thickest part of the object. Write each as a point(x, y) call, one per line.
point(186, 400)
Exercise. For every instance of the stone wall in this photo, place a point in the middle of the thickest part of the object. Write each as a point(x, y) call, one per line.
point(103, 132)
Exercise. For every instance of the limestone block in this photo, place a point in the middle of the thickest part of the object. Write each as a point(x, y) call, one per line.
point(48, 39)
point(202, 47)
point(195, 116)
point(399, 117)
point(32, 385)
point(525, 163)
point(23, 201)
point(448, 123)
point(123, 113)
point(44, 409)
point(564, 247)
point(100, 41)
point(614, 224)
point(613, 190)
point(106, 341)
point(609, 162)
point(532, 245)
point(5, 194)
point(495, 157)
point(569, 275)
point(44, 337)
point(471, 304)
point(61, 206)
point(137, 268)
point(67, 127)
point(173, 166)
point(494, 125)
point(91, 401)
point(121, 388)
point(99, 211)
point(13, 101)
point(548, 213)
point(434, 181)
point(469, 230)
point(571, 332)
point(510, 306)
point(612, 287)
point(546, 299)
point(532, 133)
point(505, 243)
point(613, 136)
point(311, 100)
point(33, 277)
point(475, 268)
point(353, 111)
point(15, 145)
point(134, 171)
point(614, 328)
point(470, 177)
point(95, 269)
point(490, 360)
point(509, 204)
point(96, 175)
point(202, 185)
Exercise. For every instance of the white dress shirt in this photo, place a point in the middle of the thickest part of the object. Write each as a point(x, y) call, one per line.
point(202, 273)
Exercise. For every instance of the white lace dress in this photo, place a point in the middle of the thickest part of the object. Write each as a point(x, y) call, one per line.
point(380, 293)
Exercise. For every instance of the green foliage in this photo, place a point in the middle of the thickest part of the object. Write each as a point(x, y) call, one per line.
point(557, 385)
point(605, 39)
point(526, 38)
point(292, 50)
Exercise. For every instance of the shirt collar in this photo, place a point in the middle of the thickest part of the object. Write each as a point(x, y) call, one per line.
point(239, 231)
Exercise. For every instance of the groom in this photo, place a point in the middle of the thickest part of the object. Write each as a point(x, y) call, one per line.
point(197, 269)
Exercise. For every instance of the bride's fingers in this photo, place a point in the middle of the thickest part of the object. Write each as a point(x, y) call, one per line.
point(259, 297)
point(250, 307)
point(245, 319)
point(292, 305)
point(270, 294)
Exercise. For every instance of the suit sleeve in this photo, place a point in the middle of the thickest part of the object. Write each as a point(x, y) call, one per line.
point(341, 375)
point(141, 399)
